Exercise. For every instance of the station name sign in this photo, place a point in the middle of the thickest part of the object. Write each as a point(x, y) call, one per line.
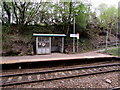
point(75, 35)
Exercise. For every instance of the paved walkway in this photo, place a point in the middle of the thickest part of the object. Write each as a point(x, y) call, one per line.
point(51, 57)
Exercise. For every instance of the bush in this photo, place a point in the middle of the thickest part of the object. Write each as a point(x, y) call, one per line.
point(6, 29)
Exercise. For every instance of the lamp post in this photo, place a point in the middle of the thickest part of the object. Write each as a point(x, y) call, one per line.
point(74, 37)
point(74, 33)
point(117, 34)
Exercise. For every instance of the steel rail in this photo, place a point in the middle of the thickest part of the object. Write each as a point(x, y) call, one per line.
point(18, 83)
point(59, 70)
point(49, 71)
point(115, 88)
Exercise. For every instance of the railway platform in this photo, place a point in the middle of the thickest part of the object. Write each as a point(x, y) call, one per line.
point(52, 57)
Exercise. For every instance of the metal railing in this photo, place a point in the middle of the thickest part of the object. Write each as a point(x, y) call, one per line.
point(103, 44)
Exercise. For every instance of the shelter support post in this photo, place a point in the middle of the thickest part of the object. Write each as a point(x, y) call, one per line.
point(37, 45)
point(50, 43)
point(62, 44)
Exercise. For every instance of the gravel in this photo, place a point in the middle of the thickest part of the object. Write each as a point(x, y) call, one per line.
point(107, 80)
point(92, 81)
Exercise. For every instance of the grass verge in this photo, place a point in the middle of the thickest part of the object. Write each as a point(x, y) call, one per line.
point(113, 51)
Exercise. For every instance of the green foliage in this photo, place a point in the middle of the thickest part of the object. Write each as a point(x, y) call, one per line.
point(102, 7)
point(47, 13)
point(81, 20)
point(85, 45)
point(82, 17)
point(114, 52)
point(6, 29)
point(108, 16)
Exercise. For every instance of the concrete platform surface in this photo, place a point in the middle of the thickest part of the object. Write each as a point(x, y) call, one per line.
point(51, 57)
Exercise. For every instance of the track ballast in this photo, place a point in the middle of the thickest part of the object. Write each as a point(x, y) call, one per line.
point(24, 78)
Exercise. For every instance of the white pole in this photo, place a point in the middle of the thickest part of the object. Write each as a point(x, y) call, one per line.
point(117, 35)
point(74, 37)
point(106, 40)
point(62, 44)
point(77, 45)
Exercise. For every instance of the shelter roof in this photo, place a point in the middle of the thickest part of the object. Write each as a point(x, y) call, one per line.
point(49, 35)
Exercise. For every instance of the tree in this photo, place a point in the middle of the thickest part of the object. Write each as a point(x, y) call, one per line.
point(7, 8)
point(108, 16)
point(83, 15)
point(27, 13)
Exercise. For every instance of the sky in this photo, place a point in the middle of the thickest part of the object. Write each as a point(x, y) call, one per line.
point(95, 3)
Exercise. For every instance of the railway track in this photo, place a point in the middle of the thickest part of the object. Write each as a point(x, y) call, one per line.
point(24, 78)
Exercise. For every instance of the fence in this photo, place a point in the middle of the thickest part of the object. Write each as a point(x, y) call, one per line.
point(103, 44)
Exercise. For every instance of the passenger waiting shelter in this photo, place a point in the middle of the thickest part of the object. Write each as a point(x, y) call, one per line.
point(44, 43)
